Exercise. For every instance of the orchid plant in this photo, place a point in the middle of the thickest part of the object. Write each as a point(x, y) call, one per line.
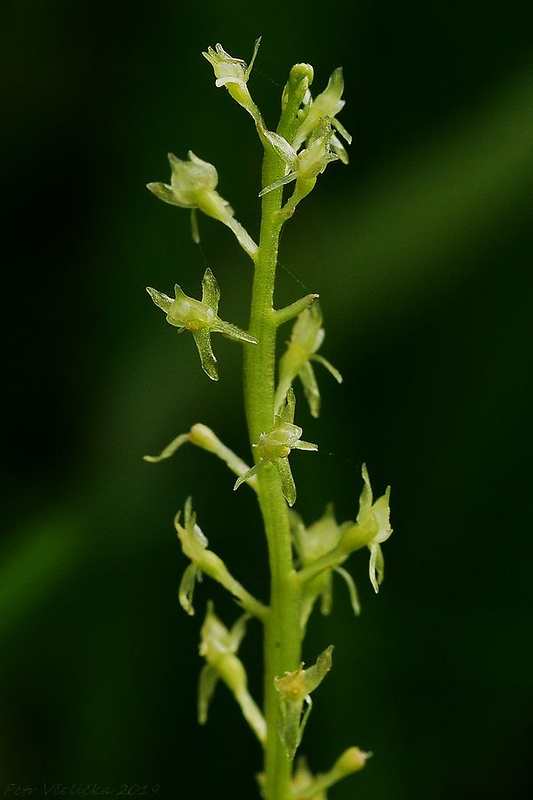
point(302, 560)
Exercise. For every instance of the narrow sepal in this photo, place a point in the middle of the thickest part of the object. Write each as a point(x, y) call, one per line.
point(352, 589)
point(245, 477)
point(208, 360)
point(161, 300)
point(376, 566)
point(210, 290)
point(169, 450)
point(164, 193)
point(288, 486)
point(206, 688)
point(186, 588)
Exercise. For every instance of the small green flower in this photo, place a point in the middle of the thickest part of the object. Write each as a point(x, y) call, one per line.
point(274, 447)
point(295, 693)
point(311, 545)
point(234, 74)
point(374, 528)
point(194, 545)
point(204, 561)
point(200, 317)
point(219, 647)
point(306, 338)
point(193, 185)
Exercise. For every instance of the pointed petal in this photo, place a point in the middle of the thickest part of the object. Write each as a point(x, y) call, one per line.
point(276, 185)
point(376, 567)
point(287, 414)
point(206, 687)
point(161, 300)
point(352, 589)
point(381, 510)
point(315, 674)
point(210, 290)
point(165, 192)
point(254, 56)
point(365, 499)
point(285, 151)
point(186, 589)
point(169, 450)
point(330, 368)
point(343, 132)
point(232, 332)
point(288, 486)
point(237, 632)
point(312, 394)
point(309, 446)
point(308, 708)
point(247, 475)
point(202, 339)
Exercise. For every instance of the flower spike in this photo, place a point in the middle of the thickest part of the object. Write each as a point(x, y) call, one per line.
point(200, 317)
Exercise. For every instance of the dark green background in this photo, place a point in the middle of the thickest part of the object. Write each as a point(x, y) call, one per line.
point(421, 252)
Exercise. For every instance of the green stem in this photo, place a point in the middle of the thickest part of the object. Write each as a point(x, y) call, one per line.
point(282, 637)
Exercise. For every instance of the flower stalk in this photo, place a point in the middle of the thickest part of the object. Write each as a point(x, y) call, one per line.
point(302, 560)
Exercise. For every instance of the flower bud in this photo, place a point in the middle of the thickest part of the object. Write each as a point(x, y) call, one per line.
point(352, 760)
point(300, 79)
